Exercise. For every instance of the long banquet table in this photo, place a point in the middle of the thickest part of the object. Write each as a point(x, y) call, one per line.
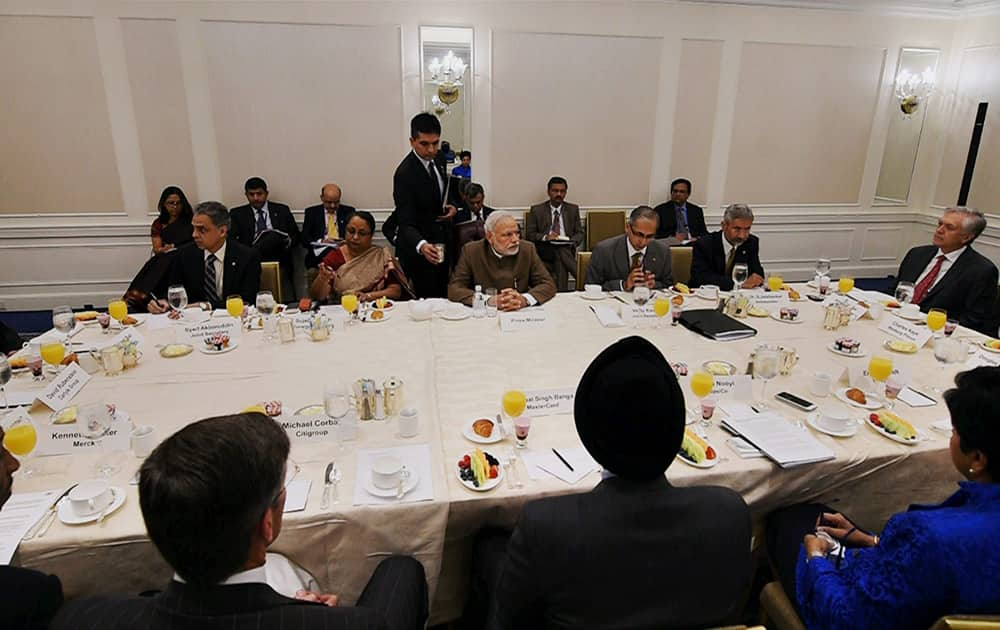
point(454, 371)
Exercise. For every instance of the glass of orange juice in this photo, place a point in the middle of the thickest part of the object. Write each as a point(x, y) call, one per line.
point(118, 310)
point(53, 352)
point(775, 282)
point(846, 284)
point(661, 307)
point(234, 306)
point(20, 439)
point(702, 384)
point(513, 401)
point(880, 369)
point(936, 319)
point(349, 302)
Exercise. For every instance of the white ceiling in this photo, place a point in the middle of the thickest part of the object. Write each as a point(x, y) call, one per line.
point(938, 7)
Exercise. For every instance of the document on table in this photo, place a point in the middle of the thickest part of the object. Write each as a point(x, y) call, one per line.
point(18, 515)
point(780, 440)
point(544, 462)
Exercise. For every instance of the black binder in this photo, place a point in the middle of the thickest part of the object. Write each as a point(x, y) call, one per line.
point(715, 325)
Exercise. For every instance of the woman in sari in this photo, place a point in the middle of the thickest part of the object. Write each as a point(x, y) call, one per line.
point(356, 267)
point(171, 230)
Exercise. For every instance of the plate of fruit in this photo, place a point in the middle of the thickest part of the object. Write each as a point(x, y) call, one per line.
point(990, 345)
point(680, 288)
point(697, 452)
point(893, 427)
point(479, 471)
point(482, 430)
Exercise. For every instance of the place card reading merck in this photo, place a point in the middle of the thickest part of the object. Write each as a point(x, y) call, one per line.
point(897, 327)
point(66, 439)
point(65, 387)
point(526, 319)
point(548, 402)
point(306, 429)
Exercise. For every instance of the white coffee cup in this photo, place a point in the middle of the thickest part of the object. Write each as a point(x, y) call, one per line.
point(834, 420)
point(820, 384)
point(409, 423)
point(593, 289)
point(143, 439)
point(910, 310)
point(90, 497)
point(709, 291)
point(386, 471)
point(876, 309)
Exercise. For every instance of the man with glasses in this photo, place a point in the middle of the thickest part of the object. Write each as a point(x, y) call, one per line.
point(679, 219)
point(212, 496)
point(621, 263)
point(503, 262)
point(325, 223)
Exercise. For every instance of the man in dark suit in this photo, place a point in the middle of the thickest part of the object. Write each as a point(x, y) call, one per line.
point(420, 191)
point(555, 228)
point(951, 275)
point(610, 558)
point(218, 267)
point(678, 218)
point(258, 224)
point(713, 256)
point(471, 216)
point(324, 223)
point(620, 263)
point(213, 528)
point(28, 599)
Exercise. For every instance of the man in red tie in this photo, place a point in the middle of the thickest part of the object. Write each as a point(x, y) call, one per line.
point(950, 275)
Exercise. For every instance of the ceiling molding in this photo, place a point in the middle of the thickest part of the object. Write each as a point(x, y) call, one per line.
point(912, 8)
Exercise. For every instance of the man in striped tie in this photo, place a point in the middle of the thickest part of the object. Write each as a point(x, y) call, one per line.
point(217, 267)
point(950, 275)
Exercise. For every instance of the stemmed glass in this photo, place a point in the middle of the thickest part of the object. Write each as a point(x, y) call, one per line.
point(94, 421)
point(266, 306)
point(349, 302)
point(822, 267)
point(514, 401)
point(740, 274)
point(702, 384)
point(947, 351)
point(63, 319)
point(177, 298)
point(53, 352)
point(640, 294)
point(880, 369)
point(5, 375)
point(234, 306)
point(936, 320)
point(20, 438)
point(661, 307)
point(904, 292)
point(845, 284)
point(893, 386)
point(118, 310)
point(766, 363)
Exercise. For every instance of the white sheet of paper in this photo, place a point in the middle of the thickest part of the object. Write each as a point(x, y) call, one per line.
point(736, 408)
point(296, 495)
point(547, 402)
point(542, 463)
point(608, 316)
point(18, 515)
point(65, 387)
point(913, 399)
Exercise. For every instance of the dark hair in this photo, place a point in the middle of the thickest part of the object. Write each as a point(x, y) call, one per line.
point(556, 180)
point(215, 211)
point(424, 123)
point(255, 183)
point(204, 490)
point(363, 215)
point(474, 190)
point(465, 154)
point(681, 180)
point(186, 211)
point(975, 413)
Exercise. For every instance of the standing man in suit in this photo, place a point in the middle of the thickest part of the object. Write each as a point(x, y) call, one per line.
point(213, 528)
point(420, 193)
point(556, 230)
point(28, 599)
point(254, 225)
point(324, 223)
point(620, 263)
point(217, 267)
point(713, 256)
point(678, 218)
point(588, 560)
point(951, 275)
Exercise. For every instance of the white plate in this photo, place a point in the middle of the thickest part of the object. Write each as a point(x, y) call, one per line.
point(182, 349)
point(732, 369)
point(139, 321)
point(233, 343)
point(919, 317)
point(871, 405)
point(708, 463)
point(472, 436)
point(766, 313)
point(891, 436)
point(454, 314)
point(776, 315)
point(489, 485)
point(368, 318)
point(388, 493)
point(193, 316)
point(885, 344)
point(859, 355)
point(813, 420)
point(588, 296)
point(984, 346)
point(69, 517)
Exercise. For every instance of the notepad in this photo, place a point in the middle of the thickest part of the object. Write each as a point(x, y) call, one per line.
point(607, 316)
point(780, 440)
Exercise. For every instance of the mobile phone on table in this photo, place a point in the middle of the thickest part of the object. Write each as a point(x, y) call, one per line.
point(795, 401)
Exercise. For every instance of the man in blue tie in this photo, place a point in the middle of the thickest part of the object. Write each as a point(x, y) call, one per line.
point(680, 219)
point(268, 227)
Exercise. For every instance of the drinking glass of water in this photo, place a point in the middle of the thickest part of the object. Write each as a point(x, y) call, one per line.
point(63, 319)
point(640, 295)
point(823, 267)
point(766, 362)
point(177, 297)
point(740, 274)
point(94, 421)
point(904, 292)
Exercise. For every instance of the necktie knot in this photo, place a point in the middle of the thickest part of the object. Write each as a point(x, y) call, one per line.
point(211, 258)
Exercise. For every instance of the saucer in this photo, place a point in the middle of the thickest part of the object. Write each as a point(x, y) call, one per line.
point(854, 355)
point(390, 493)
point(69, 517)
point(813, 420)
point(233, 343)
point(919, 317)
point(368, 319)
point(591, 296)
point(456, 314)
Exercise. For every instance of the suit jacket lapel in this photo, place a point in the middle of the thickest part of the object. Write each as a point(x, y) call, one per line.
point(229, 272)
point(623, 263)
point(957, 268)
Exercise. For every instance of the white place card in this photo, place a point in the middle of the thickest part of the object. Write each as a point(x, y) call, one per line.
point(65, 387)
point(644, 315)
point(770, 298)
point(902, 329)
point(197, 333)
point(548, 402)
point(738, 387)
point(307, 429)
point(858, 376)
point(981, 358)
point(66, 439)
point(525, 319)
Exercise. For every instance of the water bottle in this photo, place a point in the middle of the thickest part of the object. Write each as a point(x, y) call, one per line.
point(479, 303)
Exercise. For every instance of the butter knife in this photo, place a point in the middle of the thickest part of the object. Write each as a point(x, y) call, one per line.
point(46, 521)
point(503, 431)
point(327, 482)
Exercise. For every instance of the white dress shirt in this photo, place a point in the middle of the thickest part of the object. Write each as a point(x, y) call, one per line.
point(562, 224)
point(220, 259)
point(437, 174)
point(949, 260)
point(631, 252)
point(267, 217)
point(278, 572)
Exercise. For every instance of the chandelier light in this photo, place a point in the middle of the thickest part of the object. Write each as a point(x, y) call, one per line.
point(913, 89)
point(447, 73)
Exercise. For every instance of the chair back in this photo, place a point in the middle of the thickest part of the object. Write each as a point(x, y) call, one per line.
point(680, 263)
point(582, 263)
point(967, 622)
point(270, 280)
point(603, 224)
